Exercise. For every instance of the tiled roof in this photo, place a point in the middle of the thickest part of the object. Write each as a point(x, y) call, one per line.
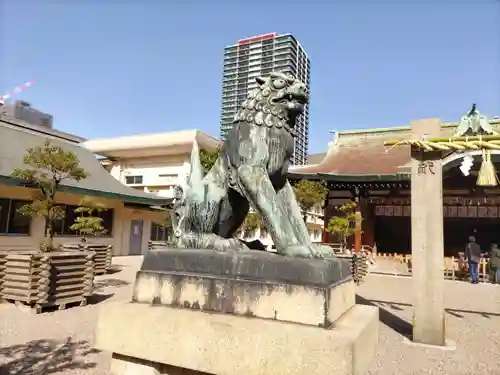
point(358, 153)
point(15, 140)
point(316, 158)
point(367, 158)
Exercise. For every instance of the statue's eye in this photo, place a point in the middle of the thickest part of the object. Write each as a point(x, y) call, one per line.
point(279, 83)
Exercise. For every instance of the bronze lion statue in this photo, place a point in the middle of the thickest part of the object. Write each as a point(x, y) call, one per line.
point(250, 172)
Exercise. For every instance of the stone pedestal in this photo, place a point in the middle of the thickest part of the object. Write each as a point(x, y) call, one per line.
point(199, 311)
point(427, 238)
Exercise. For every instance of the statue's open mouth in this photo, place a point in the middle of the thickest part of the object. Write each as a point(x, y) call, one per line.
point(301, 99)
point(293, 98)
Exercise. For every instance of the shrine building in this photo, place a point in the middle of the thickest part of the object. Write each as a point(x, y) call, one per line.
point(358, 166)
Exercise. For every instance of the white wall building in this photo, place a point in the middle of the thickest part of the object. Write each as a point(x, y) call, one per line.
point(314, 222)
point(156, 163)
point(153, 163)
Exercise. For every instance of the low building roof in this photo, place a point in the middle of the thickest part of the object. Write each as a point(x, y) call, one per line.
point(15, 140)
point(176, 142)
point(361, 154)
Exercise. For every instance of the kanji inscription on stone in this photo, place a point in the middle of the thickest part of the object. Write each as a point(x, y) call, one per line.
point(426, 165)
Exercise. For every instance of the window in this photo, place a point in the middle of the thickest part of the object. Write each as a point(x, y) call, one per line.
point(4, 215)
point(69, 219)
point(18, 223)
point(133, 180)
point(158, 232)
point(107, 221)
point(63, 227)
point(58, 225)
point(11, 221)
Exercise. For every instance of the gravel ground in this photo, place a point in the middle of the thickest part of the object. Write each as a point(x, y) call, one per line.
point(60, 342)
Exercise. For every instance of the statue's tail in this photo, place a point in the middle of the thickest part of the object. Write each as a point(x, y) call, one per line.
point(196, 173)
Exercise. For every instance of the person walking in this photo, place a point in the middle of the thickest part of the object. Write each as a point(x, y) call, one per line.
point(473, 257)
point(495, 263)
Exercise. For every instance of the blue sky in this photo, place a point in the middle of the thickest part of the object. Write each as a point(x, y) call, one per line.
point(111, 68)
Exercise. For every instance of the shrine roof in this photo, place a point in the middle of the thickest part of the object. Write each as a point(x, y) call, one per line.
point(315, 158)
point(361, 155)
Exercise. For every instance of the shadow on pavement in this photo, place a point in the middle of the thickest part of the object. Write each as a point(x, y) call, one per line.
point(454, 312)
point(115, 268)
point(100, 285)
point(45, 357)
point(391, 320)
point(97, 298)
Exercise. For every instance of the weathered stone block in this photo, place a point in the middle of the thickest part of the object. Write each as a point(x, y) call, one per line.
point(147, 340)
point(262, 285)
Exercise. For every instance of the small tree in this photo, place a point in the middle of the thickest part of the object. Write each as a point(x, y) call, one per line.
point(48, 167)
point(344, 226)
point(208, 159)
point(309, 193)
point(86, 224)
point(251, 223)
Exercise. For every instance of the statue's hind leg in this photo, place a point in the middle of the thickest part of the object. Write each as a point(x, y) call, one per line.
point(211, 241)
point(233, 211)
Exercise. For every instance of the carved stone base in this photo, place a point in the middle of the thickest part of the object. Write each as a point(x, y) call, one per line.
point(253, 313)
point(156, 340)
point(253, 284)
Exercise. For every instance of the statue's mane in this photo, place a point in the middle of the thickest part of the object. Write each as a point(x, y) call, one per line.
point(258, 109)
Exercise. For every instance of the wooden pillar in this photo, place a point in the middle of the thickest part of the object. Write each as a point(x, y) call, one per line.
point(326, 215)
point(367, 226)
point(358, 221)
point(427, 238)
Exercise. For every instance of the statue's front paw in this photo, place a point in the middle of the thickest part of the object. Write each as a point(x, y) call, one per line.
point(237, 245)
point(324, 250)
point(299, 251)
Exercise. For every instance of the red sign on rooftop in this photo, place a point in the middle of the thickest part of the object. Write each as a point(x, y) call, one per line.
point(257, 38)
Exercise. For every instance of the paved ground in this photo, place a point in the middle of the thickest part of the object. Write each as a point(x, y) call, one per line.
point(472, 322)
point(60, 342)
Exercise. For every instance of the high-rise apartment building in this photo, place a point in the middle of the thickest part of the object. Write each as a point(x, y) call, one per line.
point(259, 56)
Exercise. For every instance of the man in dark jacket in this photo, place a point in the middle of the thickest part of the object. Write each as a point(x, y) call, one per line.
point(473, 257)
point(495, 263)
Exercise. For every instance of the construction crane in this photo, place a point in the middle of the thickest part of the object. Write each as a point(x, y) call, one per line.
point(17, 90)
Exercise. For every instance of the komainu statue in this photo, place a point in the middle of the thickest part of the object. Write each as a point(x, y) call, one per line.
point(250, 172)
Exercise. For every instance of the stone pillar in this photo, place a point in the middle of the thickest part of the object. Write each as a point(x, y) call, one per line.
point(427, 238)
